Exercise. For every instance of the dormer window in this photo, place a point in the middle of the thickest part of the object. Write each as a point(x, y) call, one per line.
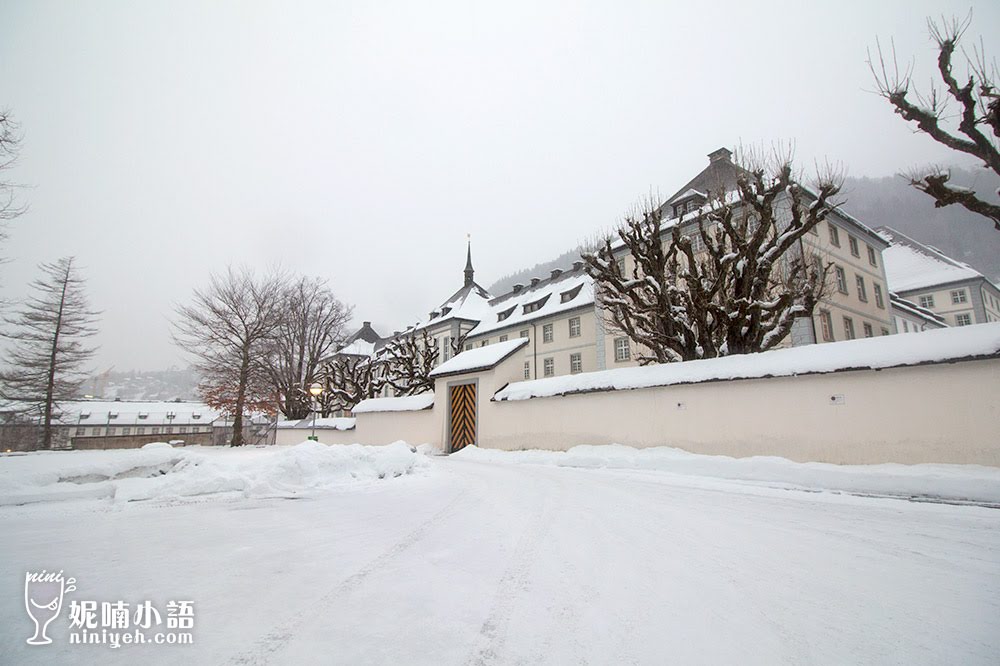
point(506, 313)
point(445, 311)
point(143, 415)
point(536, 305)
point(112, 415)
point(84, 415)
point(195, 415)
point(567, 296)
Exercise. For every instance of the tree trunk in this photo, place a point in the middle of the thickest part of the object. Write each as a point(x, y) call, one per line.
point(241, 396)
point(51, 378)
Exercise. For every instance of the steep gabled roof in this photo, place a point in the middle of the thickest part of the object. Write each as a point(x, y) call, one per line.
point(911, 265)
point(716, 179)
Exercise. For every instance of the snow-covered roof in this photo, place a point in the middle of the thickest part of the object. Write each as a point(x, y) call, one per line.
point(912, 265)
point(410, 403)
point(128, 412)
point(567, 291)
point(480, 358)
point(914, 310)
point(331, 423)
point(936, 346)
point(358, 348)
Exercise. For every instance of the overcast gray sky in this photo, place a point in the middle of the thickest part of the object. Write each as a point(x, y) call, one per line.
point(361, 141)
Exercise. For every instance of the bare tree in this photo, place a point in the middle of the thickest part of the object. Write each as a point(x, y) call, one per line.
point(310, 328)
point(409, 360)
point(978, 119)
point(734, 285)
point(348, 380)
point(46, 364)
point(229, 329)
point(10, 144)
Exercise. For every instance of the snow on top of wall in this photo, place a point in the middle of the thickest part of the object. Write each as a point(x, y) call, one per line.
point(410, 403)
point(478, 358)
point(910, 265)
point(330, 423)
point(883, 352)
point(551, 290)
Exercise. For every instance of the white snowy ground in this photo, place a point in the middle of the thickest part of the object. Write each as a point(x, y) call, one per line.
point(484, 558)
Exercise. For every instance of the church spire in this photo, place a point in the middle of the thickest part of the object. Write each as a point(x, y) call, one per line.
point(469, 272)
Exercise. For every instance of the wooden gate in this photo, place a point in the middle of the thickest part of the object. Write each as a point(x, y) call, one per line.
point(462, 398)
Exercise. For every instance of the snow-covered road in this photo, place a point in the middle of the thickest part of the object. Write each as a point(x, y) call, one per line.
point(478, 563)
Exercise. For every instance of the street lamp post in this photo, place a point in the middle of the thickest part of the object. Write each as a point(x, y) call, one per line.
point(315, 390)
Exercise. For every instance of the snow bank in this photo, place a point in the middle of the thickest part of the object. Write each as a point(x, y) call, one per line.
point(165, 472)
point(479, 358)
point(410, 403)
point(883, 352)
point(963, 483)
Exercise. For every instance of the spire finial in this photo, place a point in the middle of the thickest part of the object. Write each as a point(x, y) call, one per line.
point(469, 272)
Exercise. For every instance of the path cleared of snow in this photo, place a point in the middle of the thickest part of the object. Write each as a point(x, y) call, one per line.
point(473, 562)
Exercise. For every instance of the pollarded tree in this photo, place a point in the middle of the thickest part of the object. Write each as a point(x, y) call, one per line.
point(229, 329)
point(311, 326)
point(50, 330)
point(348, 380)
point(408, 360)
point(734, 285)
point(975, 93)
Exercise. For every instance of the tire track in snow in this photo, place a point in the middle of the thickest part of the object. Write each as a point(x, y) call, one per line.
point(493, 633)
point(266, 647)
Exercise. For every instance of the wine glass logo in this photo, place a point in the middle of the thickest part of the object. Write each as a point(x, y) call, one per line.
point(43, 599)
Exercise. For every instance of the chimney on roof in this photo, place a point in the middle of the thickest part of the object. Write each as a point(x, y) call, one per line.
point(433, 314)
point(534, 281)
point(577, 265)
point(556, 272)
point(720, 155)
point(366, 324)
point(517, 288)
point(395, 334)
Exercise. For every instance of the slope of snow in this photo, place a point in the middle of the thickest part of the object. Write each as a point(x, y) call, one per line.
point(478, 358)
point(882, 352)
point(966, 483)
point(409, 403)
point(910, 265)
point(157, 472)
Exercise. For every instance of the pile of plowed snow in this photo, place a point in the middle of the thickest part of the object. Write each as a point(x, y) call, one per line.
point(160, 471)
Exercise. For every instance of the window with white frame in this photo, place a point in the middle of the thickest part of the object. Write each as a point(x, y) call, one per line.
point(484, 342)
point(964, 319)
point(841, 280)
point(927, 301)
point(547, 333)
point(527, 370)
point(524, 334)
point(834, 235)
point(549, 367)
point(862, 292)
point(853, 242)
point(958, 296)
point(622, 350)
point(621, 266)
point(574, 327)
point(869, 331)
point(885, 331)
point(80, 432)
point(576, 363)
point(446, 346)
point(872, 256)
point(879, 300)
point(849, 328)
point(826, 323)
point(503, 338)
point(126, 430)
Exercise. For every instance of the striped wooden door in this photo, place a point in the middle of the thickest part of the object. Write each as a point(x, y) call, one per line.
point(463, 416)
